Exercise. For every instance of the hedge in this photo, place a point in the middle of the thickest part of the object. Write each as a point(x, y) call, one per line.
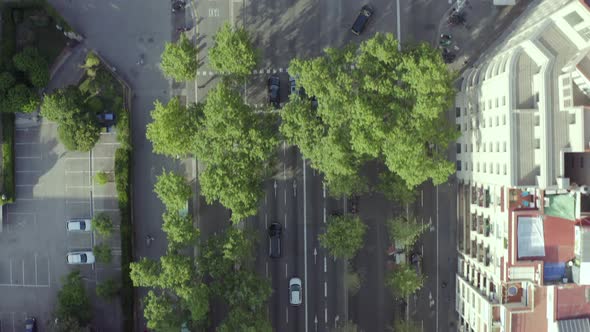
point(8, 157)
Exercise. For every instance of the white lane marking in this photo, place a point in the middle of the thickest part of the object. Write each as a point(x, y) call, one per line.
point(287, 314)
point(422, 197)
point(324, 189)
point(36, 277)
point(27, 157)
point(285, 270)
point(11, 271)
point(23, 268)
point(324, 215)
point(399, 32)
point(437, 266)
point(325, 289)
point(305, 239)
point(285, 196)
point(325, 264)
point(265, 220)
point(285, 220)
point(326, 315)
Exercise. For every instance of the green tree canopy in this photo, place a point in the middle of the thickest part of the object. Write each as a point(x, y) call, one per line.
point(179, 60)
point(395, 188)
point(232, 52)
point(173, 191)
point(402, 325)
point(195, 299)
point(404, 281)
point(102, 224)
point(6, 81)
point(20, 98)
point(102, 252)
point(162, 313)
point(174, 127)
point(243, 288)
point(179, 228)
point(235, 144)
point(178, 271)
point(34, 65)
point(344, 236)
point(374, 102)
point(72, 300)
point(62, 105)
point(145, 273)
point(108, 289)
point(80, 133)
point(405, 231)
point(244, 320)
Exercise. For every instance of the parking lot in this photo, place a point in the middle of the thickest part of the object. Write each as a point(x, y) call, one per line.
point(52, 186)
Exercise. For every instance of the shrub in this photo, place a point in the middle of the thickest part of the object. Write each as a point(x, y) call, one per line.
point(8, 183)
point(95, 105)
point(8, 40)
point(108, 289)
point(103, 224)
point(101, 178)
point(122, 174)
point(102, 252)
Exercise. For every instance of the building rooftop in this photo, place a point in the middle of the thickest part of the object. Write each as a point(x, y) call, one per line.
point(572, 302)
point(532, 321)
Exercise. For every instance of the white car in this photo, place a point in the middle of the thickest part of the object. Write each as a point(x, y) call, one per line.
point(295, 291)
point(80, 257)
point(79, 225)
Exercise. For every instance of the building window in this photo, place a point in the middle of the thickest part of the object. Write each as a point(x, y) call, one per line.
point(537, 143)
point(573, 19)
point(505, 169)
point(490, 122)
point(496, 102)
point(497, 146)
point(572, 118)
point(458, 127)
point(503, 100)
point(491, 147)
point(466, 165)
point(490, 104)
point(458, 165)
point(457, 111)
point(505, 146)
point(458, 147)
point(504, 119)
point(537, 120)
point(484, 147)
point(477, 166)
point(471, 147)
point(497, 121)
point(498, 169)
point(484, 167)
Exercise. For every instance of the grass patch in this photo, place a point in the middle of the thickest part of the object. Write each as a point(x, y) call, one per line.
point(122, 165)
point(8, 158)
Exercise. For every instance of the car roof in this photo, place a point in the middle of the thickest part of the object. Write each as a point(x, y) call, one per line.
point(294, 281)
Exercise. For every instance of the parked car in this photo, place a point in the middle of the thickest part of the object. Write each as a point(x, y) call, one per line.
point(362, 19)
point(274, 91)
point(292, 86)
point(80, 257)
point(274, 240)
point(79, 225)
point(295, 292)
point(31, 324)
point(353, 204)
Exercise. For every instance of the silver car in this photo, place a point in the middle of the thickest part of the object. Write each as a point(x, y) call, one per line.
point(79, 225)
point(80, 257)
point(295, 291)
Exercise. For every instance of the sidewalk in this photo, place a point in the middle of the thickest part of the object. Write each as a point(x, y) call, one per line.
point(484, 24)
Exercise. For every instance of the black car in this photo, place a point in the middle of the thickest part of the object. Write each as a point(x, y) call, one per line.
point(362, 19)
point(274, 240)
point(274, 89)
point(31, 324)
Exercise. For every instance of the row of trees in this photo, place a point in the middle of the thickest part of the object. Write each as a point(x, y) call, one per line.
point(376, 104)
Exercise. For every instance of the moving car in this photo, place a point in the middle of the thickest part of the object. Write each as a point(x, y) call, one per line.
point(79, 225)
point(274, 240)
point(295, 292)
point(274, 89)
point(362, 19)
point(31, 324)
point(80, 257)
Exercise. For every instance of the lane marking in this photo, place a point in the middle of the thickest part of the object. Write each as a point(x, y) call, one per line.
point(325, 264)
point(422, 197)
point(325, 289)
point(23, 268)
point(36, 276)
point(326, 315)
point(266, 220)
point(287, 314)
point(324, 215)
point(11, 282)
point(285, 220)
point(305, 239)
point(286, 270)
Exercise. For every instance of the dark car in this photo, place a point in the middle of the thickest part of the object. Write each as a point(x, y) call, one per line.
point(353, 204)
point(31, 324)
point(274, 88)
point(274, 240)
point(362, 19)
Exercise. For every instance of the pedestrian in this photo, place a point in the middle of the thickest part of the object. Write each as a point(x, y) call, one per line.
point(148, 240)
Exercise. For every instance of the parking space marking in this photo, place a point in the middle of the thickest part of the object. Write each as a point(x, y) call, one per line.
point(27, 157)
point(106, 210)
point(86, 158)
point(77, 187)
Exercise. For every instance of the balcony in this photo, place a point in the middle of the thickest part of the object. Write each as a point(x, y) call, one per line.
point(474, 195)
point(487, 227)
point(487, 198)
point(488, 257)
point(474, 222)
point(480, 224)
point(473, 249)
point(480, 253)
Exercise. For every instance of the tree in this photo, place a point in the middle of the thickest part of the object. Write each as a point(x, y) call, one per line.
point(232, 52)
point(179, 228)
point(389, 108)
point(179, 60)
point(243, 288)
point(404, 231)
point(396, 189)
point(6, 81)
point(161, 313)
point(80, 133)
point(195, 299)
point(404, 281)
point(173, 191)
point(62, 105)
point(108, 289)
point(20, 98)
point(101, 178)
point(34, 65)
point(234, 143)
point(239, 245)
point(91, 64)
point(66, 324)
point(344, 236)
point(102, 224)
point(352, 281)
point(402, 325)
point(72, 300)
point(178, 271)
point(145, 273)
point(174, 127)
point(241, 319)
point(102, 252)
